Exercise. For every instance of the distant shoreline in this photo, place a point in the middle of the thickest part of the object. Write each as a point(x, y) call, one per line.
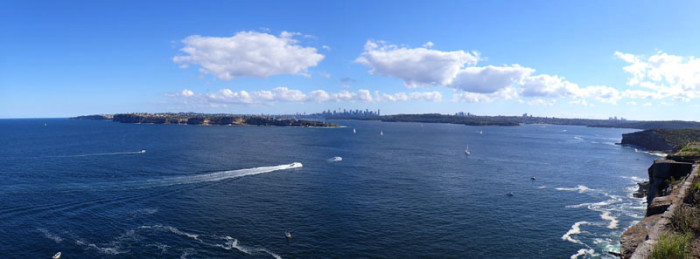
point(205, 119)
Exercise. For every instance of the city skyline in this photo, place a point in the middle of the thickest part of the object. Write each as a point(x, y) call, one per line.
point(571, 60)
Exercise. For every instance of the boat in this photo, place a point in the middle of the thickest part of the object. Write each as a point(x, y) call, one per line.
point(481, 132)
point(510, 194)
point(143, 151)
point(466, 151)
point(354, 131)
point(532, 178)
point(45, 124)
point(57, 255)
point(381, 133)
point(335, 159)
point(295, 165)
point(287, 234)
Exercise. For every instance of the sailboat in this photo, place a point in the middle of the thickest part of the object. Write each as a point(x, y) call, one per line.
point(381, 133)
point(466, 152)
point(481, 132)
point(354, 131)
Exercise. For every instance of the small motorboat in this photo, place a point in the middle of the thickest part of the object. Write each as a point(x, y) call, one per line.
point(532, 178)
point(510, 194)
point(143, 151)
point(335, 159)
point(57, 255)
point(288, 234)
point(295, 165)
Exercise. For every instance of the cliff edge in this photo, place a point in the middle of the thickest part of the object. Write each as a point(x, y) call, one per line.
point(665, 140)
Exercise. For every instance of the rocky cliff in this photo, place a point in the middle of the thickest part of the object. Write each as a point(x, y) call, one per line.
point(661, 139)
point(669, 188)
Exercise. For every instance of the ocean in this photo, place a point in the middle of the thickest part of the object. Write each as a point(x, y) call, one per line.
point(93, 189)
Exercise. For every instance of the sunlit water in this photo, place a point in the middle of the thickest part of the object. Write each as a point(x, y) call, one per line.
point(85, 188)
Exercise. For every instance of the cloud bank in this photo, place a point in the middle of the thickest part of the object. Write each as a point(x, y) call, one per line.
point(284, 94)
point(424, 67)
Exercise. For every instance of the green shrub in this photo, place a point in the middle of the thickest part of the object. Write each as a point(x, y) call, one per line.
point(672, 246)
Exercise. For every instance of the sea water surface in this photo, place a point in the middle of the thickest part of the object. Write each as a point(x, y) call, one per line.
point(85, 188)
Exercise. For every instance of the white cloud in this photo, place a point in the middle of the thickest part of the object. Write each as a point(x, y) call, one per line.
point(434, 96)
point(284, 94)
point(416, 67)
point(428, 44)
point(663, 75)
point(470, 97)
point(631, 103)
point(186, 92)
point(541, 102)
point(248, 54)
point(581, 102)
point(489, 79)
point(459, 70)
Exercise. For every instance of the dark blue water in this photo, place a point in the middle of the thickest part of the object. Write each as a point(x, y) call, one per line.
point(85, 188)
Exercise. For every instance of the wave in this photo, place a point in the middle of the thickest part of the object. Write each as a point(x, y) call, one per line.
point(613, 220)
point(579, 188)
point(584, 251)
point(232, 243)
point(575, 229)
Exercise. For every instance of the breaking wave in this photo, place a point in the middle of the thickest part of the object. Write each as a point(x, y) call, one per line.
point(580, 189)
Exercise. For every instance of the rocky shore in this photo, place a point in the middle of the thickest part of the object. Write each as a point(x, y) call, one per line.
point(673, 204)
point(205, 119)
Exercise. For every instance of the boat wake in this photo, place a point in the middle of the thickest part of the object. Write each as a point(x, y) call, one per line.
point(143, 151)
point(215, 176)
point(335, 159)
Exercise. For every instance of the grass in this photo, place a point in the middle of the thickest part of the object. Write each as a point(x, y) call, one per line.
point(672, 246)
point(685, 221)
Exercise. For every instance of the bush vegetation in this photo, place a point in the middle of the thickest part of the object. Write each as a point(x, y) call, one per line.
point(672, 246)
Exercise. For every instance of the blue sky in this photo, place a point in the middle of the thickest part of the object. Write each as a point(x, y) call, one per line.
point(593, 59)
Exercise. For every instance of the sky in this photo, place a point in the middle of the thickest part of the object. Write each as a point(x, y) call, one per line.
point(575, 59)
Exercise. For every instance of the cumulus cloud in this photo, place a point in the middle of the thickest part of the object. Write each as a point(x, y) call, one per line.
point(284, 94)
point(248, 54)
point(458, 70)
point(489, 79)
point(662, 75)
point(417, 66)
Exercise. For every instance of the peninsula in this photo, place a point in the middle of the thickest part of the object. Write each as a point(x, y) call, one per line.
point(206, 119)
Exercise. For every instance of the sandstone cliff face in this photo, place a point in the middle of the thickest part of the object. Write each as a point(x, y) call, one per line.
point(648, 139)
point(663, 197)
